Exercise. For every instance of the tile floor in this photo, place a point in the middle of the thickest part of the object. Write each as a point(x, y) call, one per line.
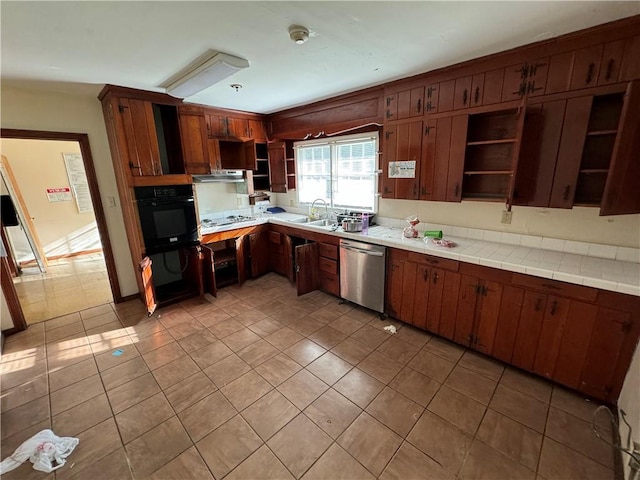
point(259, 383)
point(69, 285)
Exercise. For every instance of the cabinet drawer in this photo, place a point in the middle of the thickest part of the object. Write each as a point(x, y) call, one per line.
point(443, 263)
point(330, 284)
point(554, 287)
point(328, 266)
point(329, 251)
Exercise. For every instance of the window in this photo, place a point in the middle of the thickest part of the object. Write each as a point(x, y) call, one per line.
point(341, 171)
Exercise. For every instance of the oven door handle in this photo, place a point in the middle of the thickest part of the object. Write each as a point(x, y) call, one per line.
point(165, 201)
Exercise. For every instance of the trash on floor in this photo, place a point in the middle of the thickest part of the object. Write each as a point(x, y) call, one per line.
point(391, 328)
point(45, 450)
point(117, 353)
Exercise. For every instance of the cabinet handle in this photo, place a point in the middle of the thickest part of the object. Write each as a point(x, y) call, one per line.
point(419, 104)
point(524, 71)
point(522, 89)
point(465, 96)
point(476, 96)
point(538, 304)
point(551, 286)
point(567, 191)
point(610, 65)
point(387, 133)
point(423, 191)
point(388, 101)
point(132, 166)
point(427, 130)
point(531, 87)
point(297, 268)
point(388, 114)
point(554, 307)
point(415, 190)
point(427, 107)
point(425, 275)
point(435, 277)
point(457, 191)
point(590, 71)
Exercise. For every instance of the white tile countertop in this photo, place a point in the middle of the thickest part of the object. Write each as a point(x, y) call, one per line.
point(572, 262)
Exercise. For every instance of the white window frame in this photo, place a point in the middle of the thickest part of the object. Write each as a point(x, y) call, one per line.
point(333, 143)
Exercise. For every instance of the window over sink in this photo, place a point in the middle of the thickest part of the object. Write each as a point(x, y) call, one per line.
point(343, 171)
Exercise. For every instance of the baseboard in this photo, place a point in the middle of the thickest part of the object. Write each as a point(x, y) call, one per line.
point(64, 255)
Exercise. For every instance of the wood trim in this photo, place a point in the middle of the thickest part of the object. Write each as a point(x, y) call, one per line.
point(13, 267)
point(159, 180)
point(155, 97)
point(11, 296)
point(94, 192)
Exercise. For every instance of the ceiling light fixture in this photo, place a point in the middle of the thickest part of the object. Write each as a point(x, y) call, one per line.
point(237, 86)
point(209, 72)
point(299, 34)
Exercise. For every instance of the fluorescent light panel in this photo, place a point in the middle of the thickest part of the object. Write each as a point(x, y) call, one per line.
point(213, 70)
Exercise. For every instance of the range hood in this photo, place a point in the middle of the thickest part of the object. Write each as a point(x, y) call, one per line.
point(220, 176)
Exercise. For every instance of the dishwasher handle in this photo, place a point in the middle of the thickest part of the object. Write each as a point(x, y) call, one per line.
point(373, 253)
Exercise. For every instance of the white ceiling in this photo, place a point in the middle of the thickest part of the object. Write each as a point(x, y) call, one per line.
point(79, 46)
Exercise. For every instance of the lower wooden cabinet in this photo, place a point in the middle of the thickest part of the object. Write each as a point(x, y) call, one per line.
point(577, 336)
point(259, 253)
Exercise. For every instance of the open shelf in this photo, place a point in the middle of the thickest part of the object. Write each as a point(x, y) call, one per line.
point(489, 172)
point(492, 142)
point(601, 132)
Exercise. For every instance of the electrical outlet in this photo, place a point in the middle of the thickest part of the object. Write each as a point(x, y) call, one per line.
point(111, 201)
point(506, 217)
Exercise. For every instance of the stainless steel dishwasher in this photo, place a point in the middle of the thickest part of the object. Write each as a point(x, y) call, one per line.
point(362, 274)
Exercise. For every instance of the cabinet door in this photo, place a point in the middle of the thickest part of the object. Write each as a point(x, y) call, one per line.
point(257, 130)
point(249, 158)
point(428, 161)
point(193, 269)
point(493, 86)
point(208, 270)
point(575, 342)
point(238, 127)
point(276, 253)
point(259, 253)
point(508, 319)
point(431, 95)
point(467, 300)
point(611, 62)
point(614, 335)
point(149, 293)
point(537, 78)
point(486, 322)
point(141, 137)
point(307, 279)
point(395, 274)
point(630, 69)
point(195, 150)
point(528, 334)
point(389, 154)
point(462, 93)
point(421, 296)
point(559, 76)
point(241, 259)
point(551, 334)
point(391, 110)
point(449, 308)
point(456, 157)
point(409, 148)
point(445, 96)
point(436, 280)
point(441, 158)
point(576, 121)
point(477, 90)
point(288, 257)
point(217, 126)
point(213, 147)
point(621, 194)
point(277, 167)
point(514, 85)
point(586, 67)
point(410, 103)
point(410, 291)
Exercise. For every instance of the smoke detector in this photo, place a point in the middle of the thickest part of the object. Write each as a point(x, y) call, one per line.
point(298, 34)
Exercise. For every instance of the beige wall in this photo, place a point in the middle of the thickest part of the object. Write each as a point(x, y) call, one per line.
point(38, 110)
point(61, 228)
point(580, 223)
point(218, 197)
point(629, 401)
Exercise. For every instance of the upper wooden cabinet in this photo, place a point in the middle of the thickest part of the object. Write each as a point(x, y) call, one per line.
point(402, 142)
point(404, 104)
point(223, 125)
point(527, 78)
point(278, 166)
point(195, 150)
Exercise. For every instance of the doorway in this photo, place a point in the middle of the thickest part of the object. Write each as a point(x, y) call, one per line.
point(62, 258)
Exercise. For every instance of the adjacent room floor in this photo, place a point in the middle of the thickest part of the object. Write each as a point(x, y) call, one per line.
point(69, 285)
point(259, 383)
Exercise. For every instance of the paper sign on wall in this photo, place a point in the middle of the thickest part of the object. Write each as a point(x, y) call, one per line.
point(62, 194)
point(78, 180)
point(402, 169)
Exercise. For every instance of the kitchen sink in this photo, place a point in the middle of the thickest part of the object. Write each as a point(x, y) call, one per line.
point(321, 223)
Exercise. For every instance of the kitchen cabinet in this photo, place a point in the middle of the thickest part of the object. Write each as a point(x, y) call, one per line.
point(630, 68)
point(402, 143)
point(259, 253)
point(468, 91)
point(280, 254)
point(277, 152)
point(329, 268)
point(586, 67)
point(611, 62)
point(219, 125)
point(195, 148)
point(443, 138)
point(258, 131)
point(446, 96)
point(404, 104)
point(306, 267)
point(525, 79)
point(431, 94)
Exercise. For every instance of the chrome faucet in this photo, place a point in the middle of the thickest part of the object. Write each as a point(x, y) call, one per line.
point(312, 211)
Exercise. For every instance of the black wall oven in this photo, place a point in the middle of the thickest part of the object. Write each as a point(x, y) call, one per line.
point(167, 217)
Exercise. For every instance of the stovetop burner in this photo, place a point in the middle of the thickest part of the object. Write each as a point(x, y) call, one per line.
point(231, 219)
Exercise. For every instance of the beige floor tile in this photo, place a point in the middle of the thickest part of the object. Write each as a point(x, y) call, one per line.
point(265, 326)
point(352, 351)
point(24, 416)
point(133, 392)
point(327, 337)
point(213, 317)
point(245, 390)
point(380, 367)
point(484, 462)
point(370, 336)
point(75, 394)
point(189, 465)
point(258, 352)
point(175, 372)
point(299, 444)
point(225, 328)
point(155, 336)
point(143, 416)
point(98, 320)
point(575, 404)
point(337, 464)
point(116, 355)
point(359, 387)
point(431, 365)
point(227, 370)
point(513, 439)
point(111, 467)
point(395, 411)
point(415, 386)
point(157, 447)
point(278, 369)
point(535, 387)
point(64, 320)
point(558, 462)
point(329, 368)
point(261, 464)
point(210, 354)
point(398, 350)
point(441, 441)
point(409, 462)
point(284, 338)
point(306, 326)
point(196, 341)
point(227, 446)
point(123, 373)
point(240, 339)
point(190, 390)
point(72, 330)
point(305, 352)
point(185, 329)
point(346, 324)
point(77, 419)
point(332, 412)
point(24, 393)
point(95, 311)
point(520, 407)
point(471, 384)
point(482, 364)
point(270, 414)
point(206, 415)
point(370, 442)
point(251, 317)
point(414, 336)
point(457, 409)
point(163, 355)
point(302, 389)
